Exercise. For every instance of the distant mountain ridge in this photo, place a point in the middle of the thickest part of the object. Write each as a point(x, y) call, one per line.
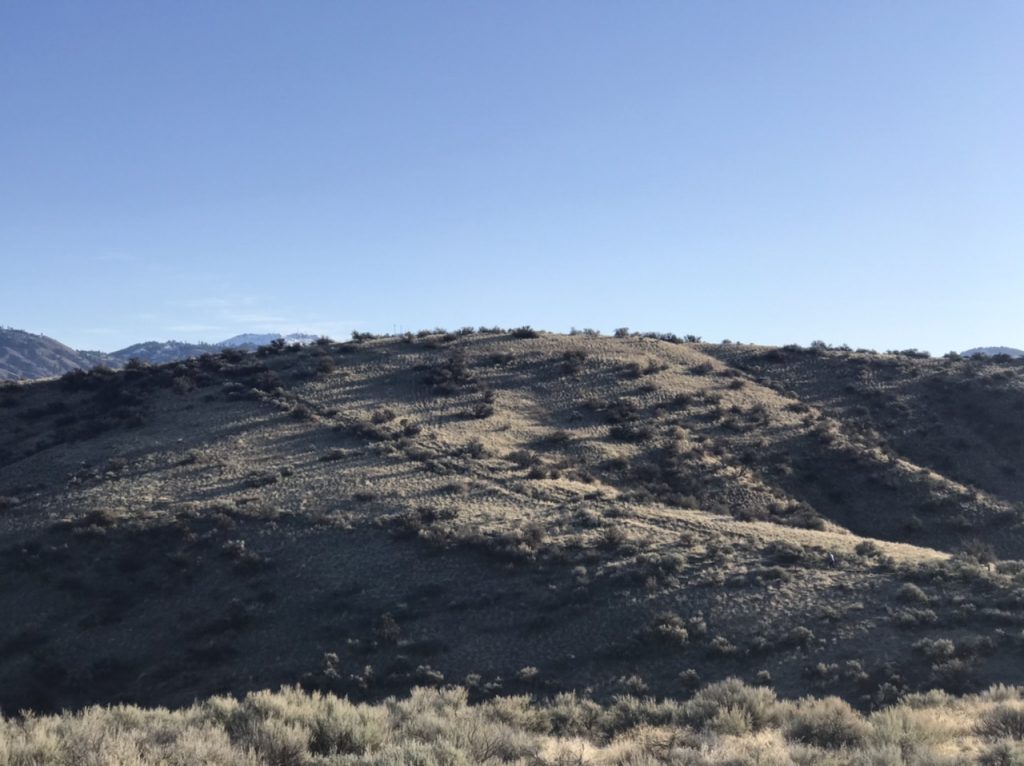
point(157, 352)
point(28, 356)
point(255, 340)
point(1016, 353)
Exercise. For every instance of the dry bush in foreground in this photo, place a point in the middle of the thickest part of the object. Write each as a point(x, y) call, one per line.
point(726, 723)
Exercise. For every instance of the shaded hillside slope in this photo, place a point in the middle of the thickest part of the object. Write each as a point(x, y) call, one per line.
point(522, 513)
point(961, 419)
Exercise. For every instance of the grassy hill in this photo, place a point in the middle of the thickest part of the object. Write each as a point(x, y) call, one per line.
point(515, 512)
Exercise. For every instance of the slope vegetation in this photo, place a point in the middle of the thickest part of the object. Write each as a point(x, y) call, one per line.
point(518, 512)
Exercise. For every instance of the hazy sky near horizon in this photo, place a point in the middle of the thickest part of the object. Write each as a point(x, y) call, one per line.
point(766, 172)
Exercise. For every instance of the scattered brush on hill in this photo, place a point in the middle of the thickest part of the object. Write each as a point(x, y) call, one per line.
point(547, 513)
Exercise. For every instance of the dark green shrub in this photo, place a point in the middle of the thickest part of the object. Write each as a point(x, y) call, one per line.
point(666, 629)
point(801, 636)
point(387, 629)
point(868, 549)
point(980, 552)
point(912, 617)
point(722, 646)
point(483, 410)
point(451, 375)
point(912, 594)
point(383, 415)
point(935, 649)
point(572, 361)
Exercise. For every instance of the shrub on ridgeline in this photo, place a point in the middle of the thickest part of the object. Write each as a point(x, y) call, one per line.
point(524, 332)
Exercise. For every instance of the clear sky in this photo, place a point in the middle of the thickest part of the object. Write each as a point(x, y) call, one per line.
point(762, 171)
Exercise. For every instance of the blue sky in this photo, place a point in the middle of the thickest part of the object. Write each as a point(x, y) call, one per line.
point(766, 172)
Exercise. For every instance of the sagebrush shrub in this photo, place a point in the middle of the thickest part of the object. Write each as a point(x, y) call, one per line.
point(758, 704)
point(1005, 720)
point(1003, 754)
point(910, 730)
point(829, 723)
point(912, 594)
